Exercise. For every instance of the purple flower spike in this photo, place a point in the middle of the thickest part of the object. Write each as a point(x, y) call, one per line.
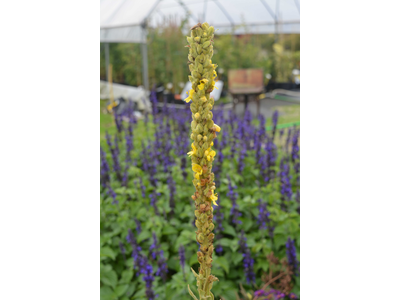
point(264, 219)
point(291, 256)
point(235, 207)
point(248, 261)
point(112, 194)
point(182, 259)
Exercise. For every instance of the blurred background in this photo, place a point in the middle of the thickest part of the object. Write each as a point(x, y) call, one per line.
point(144, 44)
point(147, 231)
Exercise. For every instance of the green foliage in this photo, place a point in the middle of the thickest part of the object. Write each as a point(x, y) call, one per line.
point(174, 228)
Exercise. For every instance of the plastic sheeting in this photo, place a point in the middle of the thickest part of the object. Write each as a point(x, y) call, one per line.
point(135, 94)
point(121, 20)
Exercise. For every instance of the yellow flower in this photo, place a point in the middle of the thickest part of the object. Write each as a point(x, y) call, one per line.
point(191, 92)
point(201, 86)
point(217, 128)
point(197, 176)
point(214, 198)
point(212, 153)
point(194, 150)
point(212, 144)
point(202, 83)
point(197, 168)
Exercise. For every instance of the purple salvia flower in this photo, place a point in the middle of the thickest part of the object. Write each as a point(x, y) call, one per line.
point(114, 154)
point(122, 249)
point(295, 153)
point(295, 145)
point(292, 257)
point(129, 146)
point(286, 186)
point(153, 201)
point(271, 150)
point(242, 156)
point(104, 169)
point(182, 259)
point(108, 139)
point(235, 207)
point(157, 253)
point(130, 238)
point(274, 123)
point(162, 266)
point(138, 226)
point(116, 147)
point(154, 247)
point(125, 176)
point(248, 261)
point(143, 188)
point(153, 100)
point(118, 122)
point(171, 185)
point(274, 293)
point(219, 216)
point(264, 219)
point(288, 140)
point(148, 278)
point(112, 194)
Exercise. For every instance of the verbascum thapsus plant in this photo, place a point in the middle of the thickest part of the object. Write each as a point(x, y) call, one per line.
point(203, 132)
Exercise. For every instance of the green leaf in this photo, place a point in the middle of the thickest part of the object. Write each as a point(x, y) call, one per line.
point(234, 245)
point(126, 276)
point(279, 240)
point(109, 278)
point(222, 262)
point(236, 258)
point(168, 230)
point(129, 262)
point(193, 260)
point(257, 247)
point(224, 242)
point(106, 293)
point(229, 294)
point(247, 223)
point(121, 289)
point(107, 252)
point(229, 230)
point(131, 289)
point(145, 234)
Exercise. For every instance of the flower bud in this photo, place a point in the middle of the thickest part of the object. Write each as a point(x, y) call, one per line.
point(200, 237)
point(206, 44)
point(197, 39)
point(205, 26)
point(199, 137)
point(197, 116)
point(196, 74)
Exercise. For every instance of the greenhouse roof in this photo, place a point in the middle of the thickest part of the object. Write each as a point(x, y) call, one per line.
point(126, 20)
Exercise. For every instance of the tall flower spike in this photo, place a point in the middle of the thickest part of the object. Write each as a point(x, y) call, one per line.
point(203, 132)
